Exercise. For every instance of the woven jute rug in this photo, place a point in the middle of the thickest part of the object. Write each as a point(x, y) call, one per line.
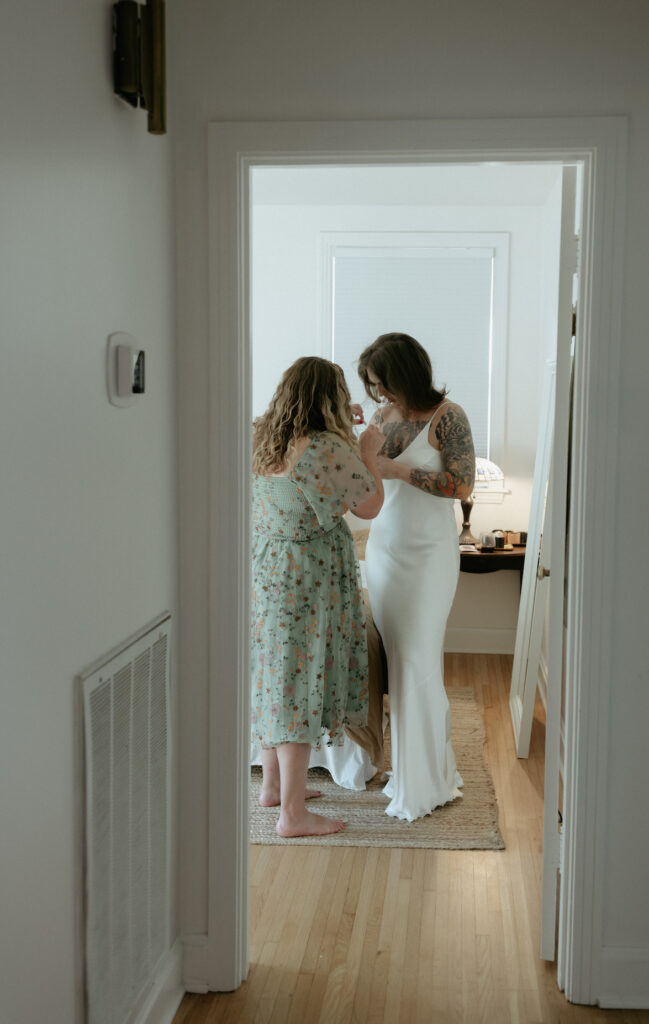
point(468, 823)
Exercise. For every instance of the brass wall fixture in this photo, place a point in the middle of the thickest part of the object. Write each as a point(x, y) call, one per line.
point(139, 58)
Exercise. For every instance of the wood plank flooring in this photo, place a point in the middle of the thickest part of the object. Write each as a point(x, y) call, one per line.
point(390, 936)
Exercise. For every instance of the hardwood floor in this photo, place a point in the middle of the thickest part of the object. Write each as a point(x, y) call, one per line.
point(390, 936)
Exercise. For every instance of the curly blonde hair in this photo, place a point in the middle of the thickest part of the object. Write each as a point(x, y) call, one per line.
point(311, 397)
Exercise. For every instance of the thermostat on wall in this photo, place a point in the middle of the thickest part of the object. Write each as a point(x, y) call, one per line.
point(124, 369)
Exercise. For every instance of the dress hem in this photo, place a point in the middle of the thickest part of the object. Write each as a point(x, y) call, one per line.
point(455, 794)
point(337, 740)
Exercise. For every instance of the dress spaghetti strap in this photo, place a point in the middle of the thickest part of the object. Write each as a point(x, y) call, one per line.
point(435, 418)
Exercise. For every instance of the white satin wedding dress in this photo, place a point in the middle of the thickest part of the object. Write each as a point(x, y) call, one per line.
point(412, 566)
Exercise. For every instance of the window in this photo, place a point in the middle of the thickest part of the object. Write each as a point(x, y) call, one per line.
point(450, 295)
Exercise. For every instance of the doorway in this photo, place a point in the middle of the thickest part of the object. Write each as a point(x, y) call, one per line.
point(234, 150)
point(339, 255)
point(462, 252)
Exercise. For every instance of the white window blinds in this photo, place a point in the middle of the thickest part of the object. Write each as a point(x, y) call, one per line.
point(440, 296)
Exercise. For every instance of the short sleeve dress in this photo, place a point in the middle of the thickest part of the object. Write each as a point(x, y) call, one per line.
point(308, 645)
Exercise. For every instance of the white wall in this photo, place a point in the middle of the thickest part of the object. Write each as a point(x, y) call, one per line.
point(287, 282)
point(88, 490)
point(256, 61)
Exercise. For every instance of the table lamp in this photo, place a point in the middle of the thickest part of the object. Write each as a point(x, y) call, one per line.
point(488, 484)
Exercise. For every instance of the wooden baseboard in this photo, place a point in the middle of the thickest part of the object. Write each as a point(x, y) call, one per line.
point(164, 997)
point(623, 978)
point(479, 641)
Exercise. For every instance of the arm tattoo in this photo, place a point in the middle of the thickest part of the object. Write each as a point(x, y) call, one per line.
point(397, 435)
point(456, 448)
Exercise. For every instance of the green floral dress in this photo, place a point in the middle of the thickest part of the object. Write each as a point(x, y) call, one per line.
point(309, 649)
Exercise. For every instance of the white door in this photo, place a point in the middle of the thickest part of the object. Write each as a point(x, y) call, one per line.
point(556, 511)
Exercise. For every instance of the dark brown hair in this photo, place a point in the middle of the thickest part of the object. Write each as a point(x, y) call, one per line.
point(402, 366)
point(311, 397)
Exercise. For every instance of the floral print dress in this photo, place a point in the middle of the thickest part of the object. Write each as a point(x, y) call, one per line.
point(308, 648)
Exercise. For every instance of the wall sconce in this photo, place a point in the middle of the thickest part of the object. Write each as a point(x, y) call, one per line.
point(139, 58)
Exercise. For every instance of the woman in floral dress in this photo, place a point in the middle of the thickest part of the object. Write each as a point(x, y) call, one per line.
point(308, 649)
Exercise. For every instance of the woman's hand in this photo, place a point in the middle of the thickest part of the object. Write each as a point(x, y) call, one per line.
point(357, 414)
point(371, 441)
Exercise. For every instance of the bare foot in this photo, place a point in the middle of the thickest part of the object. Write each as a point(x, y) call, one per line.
point(308, 825)
point(270, 797)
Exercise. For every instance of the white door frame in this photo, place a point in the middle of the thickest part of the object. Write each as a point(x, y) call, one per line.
point(221, 959)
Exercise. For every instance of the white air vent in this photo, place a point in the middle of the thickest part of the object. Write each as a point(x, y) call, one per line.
point(127, 823)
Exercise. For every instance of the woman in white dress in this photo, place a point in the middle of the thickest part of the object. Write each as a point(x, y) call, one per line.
point(413, 561)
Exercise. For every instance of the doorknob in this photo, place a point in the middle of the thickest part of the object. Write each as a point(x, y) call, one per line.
point(542, 572)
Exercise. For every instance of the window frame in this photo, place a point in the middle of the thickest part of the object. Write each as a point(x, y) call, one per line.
point(331, 243)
